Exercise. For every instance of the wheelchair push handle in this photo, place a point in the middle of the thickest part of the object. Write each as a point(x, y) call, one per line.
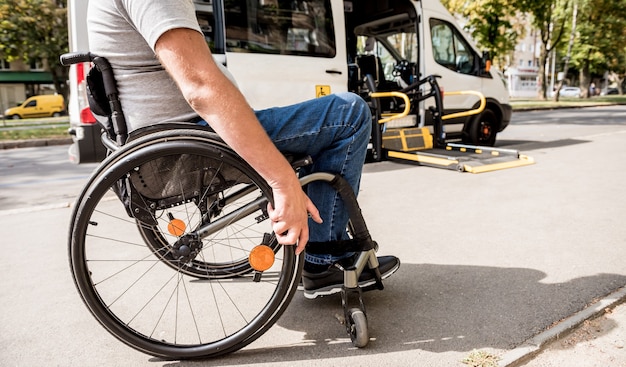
point(75, 58)
point(110, 89)
point(78, 57)
point(100, 62)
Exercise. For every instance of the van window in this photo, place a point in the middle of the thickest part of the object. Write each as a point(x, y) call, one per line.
point(294, 27)
point(450, 49)
point(32, 103)
point(405, 46)
point(371, 47)
point(396, 53)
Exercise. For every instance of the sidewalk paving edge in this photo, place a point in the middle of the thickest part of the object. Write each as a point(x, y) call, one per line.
point(36, 208)
point(539, 342)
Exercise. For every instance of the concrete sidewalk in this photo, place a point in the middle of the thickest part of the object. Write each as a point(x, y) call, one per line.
point(593, 337)
point(454, 293)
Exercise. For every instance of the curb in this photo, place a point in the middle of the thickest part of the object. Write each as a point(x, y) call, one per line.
point(36, 208)
point(538, 343)
point(13, 144)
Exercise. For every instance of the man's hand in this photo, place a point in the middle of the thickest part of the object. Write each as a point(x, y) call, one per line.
point(290, 215)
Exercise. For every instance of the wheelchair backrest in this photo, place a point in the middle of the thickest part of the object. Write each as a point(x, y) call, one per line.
point(98, 102)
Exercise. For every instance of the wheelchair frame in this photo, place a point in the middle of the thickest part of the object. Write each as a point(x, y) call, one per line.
point(184, 251)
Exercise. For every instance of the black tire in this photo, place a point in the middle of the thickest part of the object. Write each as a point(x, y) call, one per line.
point(357, 322)
point(482, 130)
point(154, 302)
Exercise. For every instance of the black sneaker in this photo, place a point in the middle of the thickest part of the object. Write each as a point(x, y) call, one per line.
point(330, 281)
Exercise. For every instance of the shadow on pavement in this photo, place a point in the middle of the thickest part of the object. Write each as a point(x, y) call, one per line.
point(526, 145)
point(435, 308)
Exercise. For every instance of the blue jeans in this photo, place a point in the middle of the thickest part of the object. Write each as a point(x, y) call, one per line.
point(334, 130)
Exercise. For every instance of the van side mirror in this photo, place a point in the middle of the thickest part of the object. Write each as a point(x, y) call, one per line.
point(486, 61)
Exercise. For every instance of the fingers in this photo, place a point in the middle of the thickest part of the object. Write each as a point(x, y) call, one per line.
point(302, 241)
point(286, 233)
point(296, 231)
point(313, 212)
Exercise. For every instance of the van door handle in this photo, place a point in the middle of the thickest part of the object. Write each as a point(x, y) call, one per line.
point(330, 71)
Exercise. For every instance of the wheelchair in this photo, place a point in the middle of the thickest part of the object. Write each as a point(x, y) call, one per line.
point(170, 246)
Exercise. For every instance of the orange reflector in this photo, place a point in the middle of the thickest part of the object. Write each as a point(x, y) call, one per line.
point(176, 227)
point(261, 258)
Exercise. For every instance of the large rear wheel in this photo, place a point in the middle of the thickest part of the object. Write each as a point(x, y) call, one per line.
point(177, 279)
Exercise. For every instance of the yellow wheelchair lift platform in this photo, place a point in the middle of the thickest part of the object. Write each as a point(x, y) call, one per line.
point(465, 158)
point(418, 145)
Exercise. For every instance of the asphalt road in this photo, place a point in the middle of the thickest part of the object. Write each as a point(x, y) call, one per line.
point(488, 261)
point(39, 178)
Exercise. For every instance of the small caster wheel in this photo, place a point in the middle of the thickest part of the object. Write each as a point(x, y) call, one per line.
point(357, 327)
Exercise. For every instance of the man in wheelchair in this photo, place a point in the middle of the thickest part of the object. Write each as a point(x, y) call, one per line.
point(166, 73)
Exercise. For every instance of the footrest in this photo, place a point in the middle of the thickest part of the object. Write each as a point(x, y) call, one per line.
point(339, 247)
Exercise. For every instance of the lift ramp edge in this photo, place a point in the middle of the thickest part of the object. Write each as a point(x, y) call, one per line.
point(471, 159)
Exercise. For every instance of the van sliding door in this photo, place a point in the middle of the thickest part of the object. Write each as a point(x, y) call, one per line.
point(282, 52)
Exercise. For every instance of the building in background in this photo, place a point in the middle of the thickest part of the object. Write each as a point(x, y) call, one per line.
point(523, 68)
point(18, 81)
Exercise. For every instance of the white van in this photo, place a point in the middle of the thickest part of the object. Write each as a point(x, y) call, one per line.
point(282, 52)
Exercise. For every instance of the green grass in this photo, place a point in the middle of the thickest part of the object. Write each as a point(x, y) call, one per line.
point(522, 104)
point(28, 129)
point(55, 131)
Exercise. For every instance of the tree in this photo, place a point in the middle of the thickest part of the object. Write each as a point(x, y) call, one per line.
point(490, 24)
point(549, 17)
point(600, 41)
point(617, 68)
point(568, 56)
point(33, 30)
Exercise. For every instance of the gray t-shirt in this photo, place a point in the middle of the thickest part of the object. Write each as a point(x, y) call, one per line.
point(125, 32)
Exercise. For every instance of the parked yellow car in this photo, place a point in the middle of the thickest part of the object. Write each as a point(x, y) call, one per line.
point(38, 106)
